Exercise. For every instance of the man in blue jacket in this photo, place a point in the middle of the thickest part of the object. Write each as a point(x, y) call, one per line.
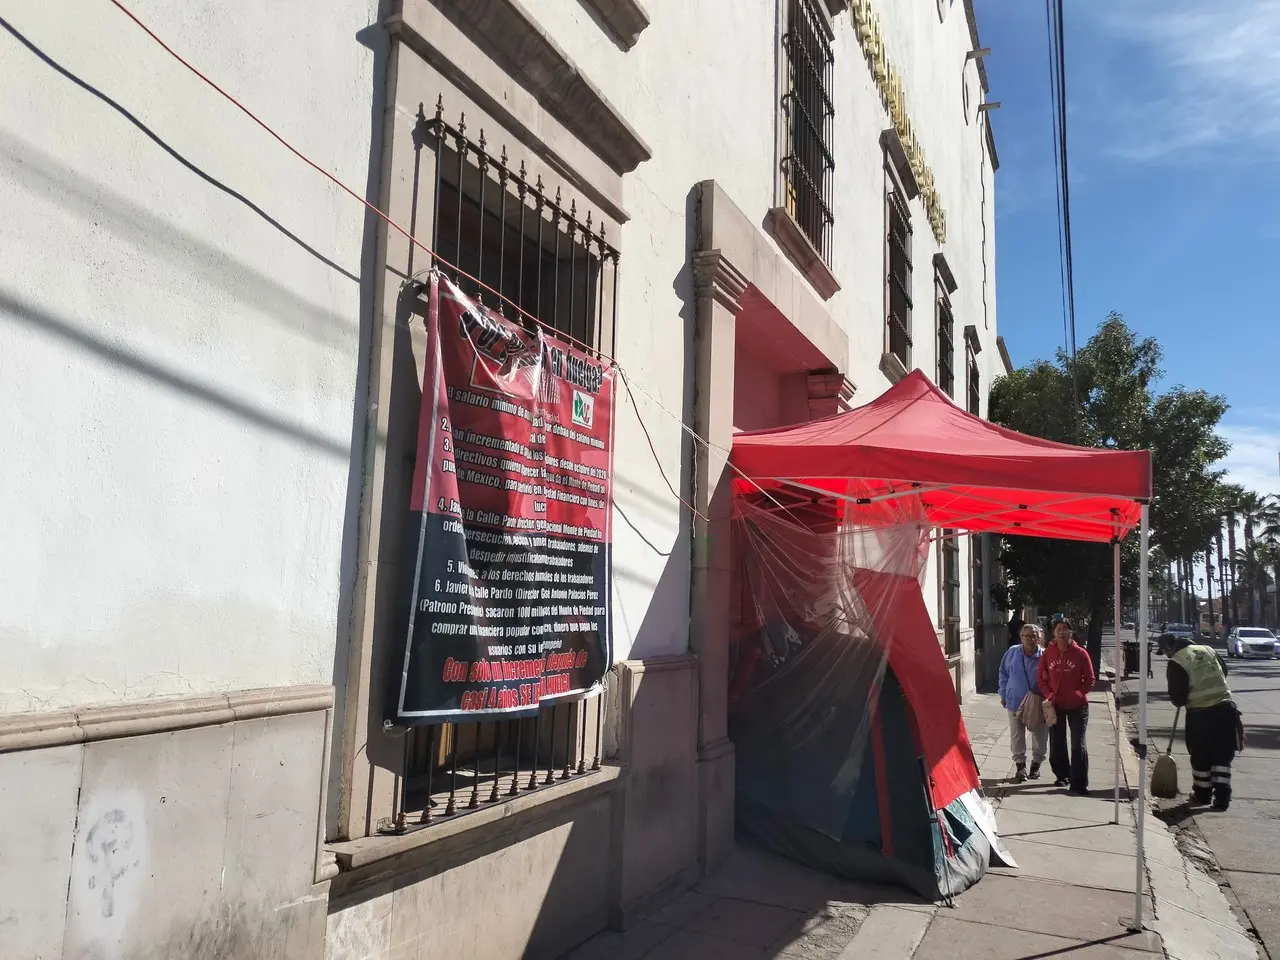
point(1018, 670)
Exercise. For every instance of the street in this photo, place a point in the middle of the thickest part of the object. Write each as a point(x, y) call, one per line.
point(1245, 840)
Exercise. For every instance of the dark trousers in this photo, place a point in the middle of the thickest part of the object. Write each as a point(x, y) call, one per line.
point(1073, 767)
point(1211, 741)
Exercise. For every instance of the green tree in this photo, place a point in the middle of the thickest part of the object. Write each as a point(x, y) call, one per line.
point(1113, 404)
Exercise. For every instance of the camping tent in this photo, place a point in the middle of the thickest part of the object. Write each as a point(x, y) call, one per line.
point(914, 814)
point(913, 444)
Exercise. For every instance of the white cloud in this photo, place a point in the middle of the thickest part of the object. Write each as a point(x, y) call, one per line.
point(1254, 460)
point(1214, 78)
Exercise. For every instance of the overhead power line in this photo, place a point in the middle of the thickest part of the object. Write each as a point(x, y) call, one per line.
point(1062, 188)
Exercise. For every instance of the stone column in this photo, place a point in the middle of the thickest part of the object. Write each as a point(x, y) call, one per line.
point(717, 287)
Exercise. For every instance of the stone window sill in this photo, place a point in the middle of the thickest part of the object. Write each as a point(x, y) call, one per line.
point(802, 253)
point(892, 367)
point(372, 859)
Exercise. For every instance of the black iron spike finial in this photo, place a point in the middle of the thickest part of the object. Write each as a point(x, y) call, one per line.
point(462, 124)
point(523, 185)
point(439, 107)
point(482, 142)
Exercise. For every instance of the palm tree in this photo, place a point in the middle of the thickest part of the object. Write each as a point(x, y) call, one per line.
point(1254, 512)
point(1231, 495)
point(1257, 512)
point(1269, 540)
point(1245, 562)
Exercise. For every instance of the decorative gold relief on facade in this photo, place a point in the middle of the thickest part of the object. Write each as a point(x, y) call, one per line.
point(890, 86)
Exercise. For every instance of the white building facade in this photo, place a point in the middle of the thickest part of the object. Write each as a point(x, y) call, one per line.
point(212, 358)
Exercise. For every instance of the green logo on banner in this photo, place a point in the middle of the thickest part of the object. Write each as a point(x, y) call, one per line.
point(583, 409)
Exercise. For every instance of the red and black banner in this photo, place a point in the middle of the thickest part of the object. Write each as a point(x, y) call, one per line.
point(511, 500)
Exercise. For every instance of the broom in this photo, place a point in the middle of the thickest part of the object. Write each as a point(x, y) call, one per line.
point(1164, 776)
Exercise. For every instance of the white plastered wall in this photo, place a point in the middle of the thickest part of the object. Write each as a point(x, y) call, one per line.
point(177, 373)
point(700, 88)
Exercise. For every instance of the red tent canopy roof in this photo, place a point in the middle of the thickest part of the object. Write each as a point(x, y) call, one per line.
point(967, 473)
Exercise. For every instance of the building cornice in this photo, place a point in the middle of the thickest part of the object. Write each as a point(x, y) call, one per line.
point(1004, 355)
point(508, 34)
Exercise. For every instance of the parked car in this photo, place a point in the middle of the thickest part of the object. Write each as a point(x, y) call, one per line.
point(1253, 642)
point(1183, 631)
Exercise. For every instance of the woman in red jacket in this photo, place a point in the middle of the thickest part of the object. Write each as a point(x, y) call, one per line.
point(1066, 677)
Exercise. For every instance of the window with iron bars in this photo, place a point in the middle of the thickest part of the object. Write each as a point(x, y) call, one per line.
point(949, 577)
point(972, 383)
point(807, 113)
point(946, 342)
point(553, 266)
point(898, 261)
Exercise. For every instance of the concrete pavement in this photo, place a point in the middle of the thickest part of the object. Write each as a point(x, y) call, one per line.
point(1072, 894)
point(1239, 848)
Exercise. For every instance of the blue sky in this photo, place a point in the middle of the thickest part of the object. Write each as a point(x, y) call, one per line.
point(1174, 142)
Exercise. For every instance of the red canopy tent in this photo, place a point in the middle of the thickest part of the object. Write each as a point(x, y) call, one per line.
point(966, 474)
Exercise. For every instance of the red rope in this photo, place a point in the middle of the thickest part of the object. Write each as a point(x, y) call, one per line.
point(401, 230)
point(346, 189)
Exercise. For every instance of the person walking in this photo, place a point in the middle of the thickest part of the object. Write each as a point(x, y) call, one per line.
point(1197, 679)
point(1020, 695)
point(1066, 677)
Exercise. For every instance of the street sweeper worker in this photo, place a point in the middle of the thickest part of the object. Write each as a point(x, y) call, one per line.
point(1197, 678)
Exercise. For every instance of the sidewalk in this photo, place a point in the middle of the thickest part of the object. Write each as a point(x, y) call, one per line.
point(1072, 895)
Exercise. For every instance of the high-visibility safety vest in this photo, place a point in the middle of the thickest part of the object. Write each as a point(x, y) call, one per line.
point(1208, 686)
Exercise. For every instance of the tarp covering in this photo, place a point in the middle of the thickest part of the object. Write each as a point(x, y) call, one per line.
point(967, 473)
point(852, 755)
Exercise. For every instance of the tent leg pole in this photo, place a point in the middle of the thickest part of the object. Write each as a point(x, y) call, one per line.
point(1115, 684)
point(1143, 660)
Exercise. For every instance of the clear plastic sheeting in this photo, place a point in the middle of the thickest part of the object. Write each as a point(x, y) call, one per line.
point(808, 665)
point(851, 754)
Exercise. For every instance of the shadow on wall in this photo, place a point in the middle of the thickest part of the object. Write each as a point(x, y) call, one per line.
point(156, 139)
point(532, 892)
point(663, 630)
point(45, 176)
